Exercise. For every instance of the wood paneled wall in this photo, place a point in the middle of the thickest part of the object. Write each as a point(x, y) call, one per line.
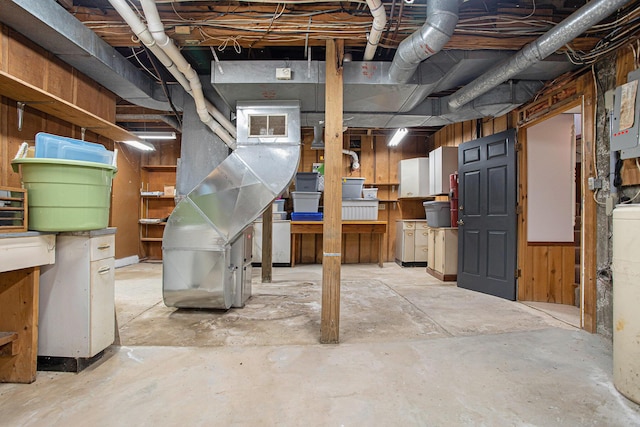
point(33, 65)
point(379, 167)
point(546, 272)
point(551, 267)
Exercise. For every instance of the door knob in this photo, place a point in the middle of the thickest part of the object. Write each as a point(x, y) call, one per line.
point(460, 222)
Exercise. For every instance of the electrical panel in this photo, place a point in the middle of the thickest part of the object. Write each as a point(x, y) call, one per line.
point(625, 123)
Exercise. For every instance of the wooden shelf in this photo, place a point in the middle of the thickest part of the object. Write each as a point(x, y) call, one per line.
point(13, 209)
point(18, 90)
point(158, 168)
point(7, 337)
point(155, 178)
point(416, 198)
point(8, 344)
point(157, 197)
point(383, 184)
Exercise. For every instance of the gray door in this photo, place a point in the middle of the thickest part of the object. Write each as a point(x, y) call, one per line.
point(487, 215)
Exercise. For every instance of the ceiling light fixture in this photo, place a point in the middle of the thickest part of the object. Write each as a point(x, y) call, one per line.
point(397, 137)
point(155, 135)
point(140, 145)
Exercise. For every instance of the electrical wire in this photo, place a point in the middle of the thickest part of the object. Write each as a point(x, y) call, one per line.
point(177, 14)
point(291, 24)
point(165, 89)
point(154, 75)
point(594, 129)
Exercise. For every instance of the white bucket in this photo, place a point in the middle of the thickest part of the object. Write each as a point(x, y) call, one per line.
point(370, 193)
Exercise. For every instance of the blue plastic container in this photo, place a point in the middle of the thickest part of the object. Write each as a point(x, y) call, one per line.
point(60, 147)
point(306, 216)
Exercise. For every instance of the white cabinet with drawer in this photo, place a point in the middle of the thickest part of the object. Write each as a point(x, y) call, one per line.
point(77, 309)
point(411, 242)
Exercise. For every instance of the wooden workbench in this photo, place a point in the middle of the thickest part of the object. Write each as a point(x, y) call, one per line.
point(21, 255)
point(378, 228)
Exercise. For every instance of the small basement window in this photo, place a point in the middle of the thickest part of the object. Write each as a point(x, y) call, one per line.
point(268, 125)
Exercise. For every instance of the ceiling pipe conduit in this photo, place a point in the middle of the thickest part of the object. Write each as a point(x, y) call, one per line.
point(50, 26)
point(222, 127)
point(145, 36)
point(442, 17)
point(142, 33)
point(576, 24)
point(377, 27)
point(355, 162)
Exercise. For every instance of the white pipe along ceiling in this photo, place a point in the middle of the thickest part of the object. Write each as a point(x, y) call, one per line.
point(377, 27)
point(168, 54)
point(166, 44)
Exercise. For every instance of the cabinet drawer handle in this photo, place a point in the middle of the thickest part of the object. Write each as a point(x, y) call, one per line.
point(425, 234)
point(104, 269)
point(104, 246)
point(409, 234)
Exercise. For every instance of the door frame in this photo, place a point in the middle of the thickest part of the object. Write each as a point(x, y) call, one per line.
point(583, 97)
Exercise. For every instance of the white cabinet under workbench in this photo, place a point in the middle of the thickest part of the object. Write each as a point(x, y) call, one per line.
point(412, 242)
point(77, 309)
point(443, 253)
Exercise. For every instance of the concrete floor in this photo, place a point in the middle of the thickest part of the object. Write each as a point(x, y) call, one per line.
point(414, 351)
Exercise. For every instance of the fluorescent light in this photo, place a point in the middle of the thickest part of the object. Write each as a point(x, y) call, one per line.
point(140, 145)
point(155, 135)
point(397, 137)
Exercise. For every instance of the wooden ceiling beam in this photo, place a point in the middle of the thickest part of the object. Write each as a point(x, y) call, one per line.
point(261, 25)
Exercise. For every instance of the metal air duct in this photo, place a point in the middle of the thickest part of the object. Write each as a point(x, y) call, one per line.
point(576, 24)
point(198, 271)
point(318, 140)
point(442, 17)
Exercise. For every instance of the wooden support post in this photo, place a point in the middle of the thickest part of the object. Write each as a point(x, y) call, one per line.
point(267, 245)
point(332, 229)
point(589, 231)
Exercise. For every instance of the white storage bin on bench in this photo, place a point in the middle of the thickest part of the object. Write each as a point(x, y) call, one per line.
point(365, 210)
point(305, 201)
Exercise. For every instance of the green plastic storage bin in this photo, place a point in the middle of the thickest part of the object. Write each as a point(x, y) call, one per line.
point(66, 195)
